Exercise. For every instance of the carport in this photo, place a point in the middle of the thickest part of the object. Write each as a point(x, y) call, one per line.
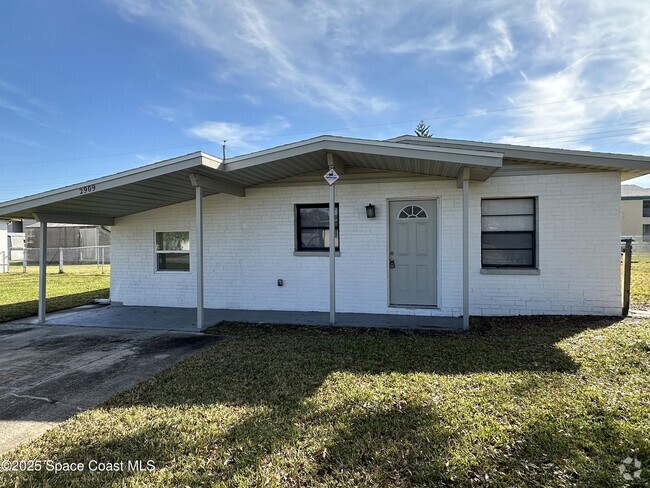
point(196, 175)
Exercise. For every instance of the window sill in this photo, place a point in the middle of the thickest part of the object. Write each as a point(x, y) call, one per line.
point(510, 271)
point(322, 254)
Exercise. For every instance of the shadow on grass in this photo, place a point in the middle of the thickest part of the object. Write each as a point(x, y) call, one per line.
point(21, 310)
point(370, 431)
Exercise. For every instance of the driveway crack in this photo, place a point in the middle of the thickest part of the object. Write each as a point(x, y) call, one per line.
point(47, 400)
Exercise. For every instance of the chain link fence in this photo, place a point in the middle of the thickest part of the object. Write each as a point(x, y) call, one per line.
point(99, 256)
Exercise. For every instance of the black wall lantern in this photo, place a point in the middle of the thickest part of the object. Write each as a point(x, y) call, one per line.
point(370, 211)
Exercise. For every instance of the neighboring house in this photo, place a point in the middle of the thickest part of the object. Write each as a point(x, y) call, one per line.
point(635, 212)
point(456, 228)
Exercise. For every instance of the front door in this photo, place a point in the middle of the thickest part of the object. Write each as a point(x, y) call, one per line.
point(412, 253)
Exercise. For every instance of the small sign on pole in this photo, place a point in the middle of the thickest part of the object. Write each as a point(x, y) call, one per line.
point(331, 176)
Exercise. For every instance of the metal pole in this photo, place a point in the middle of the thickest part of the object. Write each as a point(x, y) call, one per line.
point(332, 249)
point(103, 249)
point(60, 260)
point(24, 258)
point(42, 266)
point(465, 249)
point(200, 313)
point(627, 274)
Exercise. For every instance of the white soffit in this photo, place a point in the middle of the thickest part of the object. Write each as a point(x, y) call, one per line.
point(165, 183)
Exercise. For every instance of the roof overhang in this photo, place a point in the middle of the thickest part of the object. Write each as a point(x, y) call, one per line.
point(173, 181)
point(629, 165)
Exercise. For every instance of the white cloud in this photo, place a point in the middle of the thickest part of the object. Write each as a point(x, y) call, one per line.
point(496, 55)
point(316, 51)
point(547, 16)
point(167, 114)
point(22, 104)
point(585, 54)
point(273, 43)
point(239, 136)
point(482, 49)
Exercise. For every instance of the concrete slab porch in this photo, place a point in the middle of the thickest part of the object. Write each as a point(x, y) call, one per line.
point(184, 319)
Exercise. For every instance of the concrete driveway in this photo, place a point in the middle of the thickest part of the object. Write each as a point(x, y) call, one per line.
point(49, 373)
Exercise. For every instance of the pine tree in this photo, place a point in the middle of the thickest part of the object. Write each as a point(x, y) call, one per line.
point(422, 130)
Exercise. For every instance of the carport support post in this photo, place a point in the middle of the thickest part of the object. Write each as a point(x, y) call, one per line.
point(200, 314)
point(332, 249)
point(465, 248)
point(42, 267)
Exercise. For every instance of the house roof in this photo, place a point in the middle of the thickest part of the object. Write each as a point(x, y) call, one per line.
point(167, 182)
point(629, 165)
point(172, 181)
point(634, 192)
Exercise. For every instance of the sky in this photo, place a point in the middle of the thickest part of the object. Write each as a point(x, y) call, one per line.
point(92, 88)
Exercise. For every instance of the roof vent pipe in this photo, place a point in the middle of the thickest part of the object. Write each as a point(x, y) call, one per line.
point(223, 147)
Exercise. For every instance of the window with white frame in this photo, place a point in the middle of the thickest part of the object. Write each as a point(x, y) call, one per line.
point(172, 251)
point(508, 237)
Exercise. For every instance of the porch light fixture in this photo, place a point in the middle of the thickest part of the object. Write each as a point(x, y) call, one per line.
point(370, 211)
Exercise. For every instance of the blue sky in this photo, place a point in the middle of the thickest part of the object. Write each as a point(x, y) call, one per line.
point(91, 88)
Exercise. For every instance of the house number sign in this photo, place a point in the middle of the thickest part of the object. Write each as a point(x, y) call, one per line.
point(86, 189)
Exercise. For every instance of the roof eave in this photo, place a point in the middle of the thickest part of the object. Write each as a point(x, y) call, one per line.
point(16, 208)
point(607, 161)
point(344, 144)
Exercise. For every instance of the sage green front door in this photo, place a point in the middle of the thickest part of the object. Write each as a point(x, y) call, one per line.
point(412, 253)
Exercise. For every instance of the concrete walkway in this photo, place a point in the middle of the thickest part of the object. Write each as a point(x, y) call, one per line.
point(184, 319)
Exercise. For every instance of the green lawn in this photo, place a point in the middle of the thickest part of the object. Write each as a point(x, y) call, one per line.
point(640, 284)
point(78, 285)
point(517, 402)
point(523, 401)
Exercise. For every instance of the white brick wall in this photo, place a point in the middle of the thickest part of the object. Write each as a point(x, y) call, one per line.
point(249, 244)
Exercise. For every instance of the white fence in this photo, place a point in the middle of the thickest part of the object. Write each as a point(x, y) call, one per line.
point(66, 256)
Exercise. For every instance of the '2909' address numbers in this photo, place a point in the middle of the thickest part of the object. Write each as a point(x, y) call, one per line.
point(86, 189)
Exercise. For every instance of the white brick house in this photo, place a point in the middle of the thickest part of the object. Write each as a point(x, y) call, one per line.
point(541, 227)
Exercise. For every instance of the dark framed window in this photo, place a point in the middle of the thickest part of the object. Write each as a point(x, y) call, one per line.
point(312, 227)
point(646, 232)
point(172, 251)
point(508, 233)
point(646, 208)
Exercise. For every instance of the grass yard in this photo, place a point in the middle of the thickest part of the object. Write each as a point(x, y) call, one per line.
point(640, 285)
point(78, 285)
point(517, 402)
point(556, 401)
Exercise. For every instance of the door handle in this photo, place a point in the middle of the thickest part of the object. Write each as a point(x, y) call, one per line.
point(391, 264)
